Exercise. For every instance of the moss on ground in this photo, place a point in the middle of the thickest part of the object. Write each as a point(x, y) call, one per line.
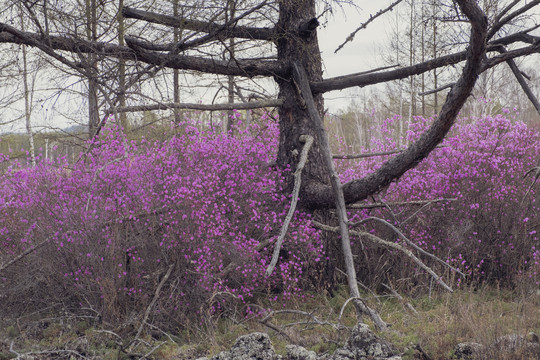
point(442, 321)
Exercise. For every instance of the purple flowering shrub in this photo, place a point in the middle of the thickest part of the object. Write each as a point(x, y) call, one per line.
point(210, 205)
point(490, 231)
point(486, 232)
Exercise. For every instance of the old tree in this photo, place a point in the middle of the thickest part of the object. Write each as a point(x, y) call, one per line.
point(290, 31)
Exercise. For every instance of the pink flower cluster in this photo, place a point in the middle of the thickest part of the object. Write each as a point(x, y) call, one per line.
point(487, 232)
point(116, 220)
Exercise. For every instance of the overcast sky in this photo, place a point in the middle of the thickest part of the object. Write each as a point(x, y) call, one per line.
point(361, 54)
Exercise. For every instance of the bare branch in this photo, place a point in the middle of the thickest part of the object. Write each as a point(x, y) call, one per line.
point(511, 54)
point(243, 32)
point(521, 80)
point(401, 235)
point(301, 80)
point(203, 107)
point(441, 88)
point(369, 78)
point(364, 25)
point(377, 240)
point(506, 20)
point(247, 68)
point(505, 11)
point(404, 302)
point(369, 155)
point(403, 203)
point(153, 302)
point(308, 141)
point(23, 254)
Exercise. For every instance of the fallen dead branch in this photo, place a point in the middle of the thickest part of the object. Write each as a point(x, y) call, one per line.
point(308, 141)
point(377, 240)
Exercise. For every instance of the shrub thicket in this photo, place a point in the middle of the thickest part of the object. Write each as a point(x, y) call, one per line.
point(110, 226)
point(114, 222)
point(490, 230)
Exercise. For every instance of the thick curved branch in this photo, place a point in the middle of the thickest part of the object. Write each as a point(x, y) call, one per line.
point(247, 68)
point(243, 32)
point(371, 78)
point(356, 190)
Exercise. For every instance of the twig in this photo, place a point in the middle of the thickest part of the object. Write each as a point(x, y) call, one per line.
point(44, 352)
point(315, 320)
point(355, 298)
point(401, 203)
point(433, 91)
point(163, 332)
point(361, 285)
point(375, 154)
point(149, 308)
point(364, 25)
point(535, 172)
point(97, 172)
point(23, 254)
point(378, 240)
point(110, 333)
point(308, 141)
point(400, 234)
point(276, 329)
point(405, 303)
point(153, 349)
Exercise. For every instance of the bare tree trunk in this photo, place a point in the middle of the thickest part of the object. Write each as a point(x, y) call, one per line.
point(230, 79)
point(412, 80)
point(122, 67)
point(177, 32)
point(91, 33)
point(423, 58)
point(434, 54)
point(27, 102)
point(293, 116)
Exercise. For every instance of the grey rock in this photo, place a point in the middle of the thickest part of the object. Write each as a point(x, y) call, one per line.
point(533, 338)
point(467, 350)
point(363, 345)
point(514, 343)
point(295, 352)
point(255, 346)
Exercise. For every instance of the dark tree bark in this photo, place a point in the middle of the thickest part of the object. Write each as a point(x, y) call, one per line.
point(293, 113)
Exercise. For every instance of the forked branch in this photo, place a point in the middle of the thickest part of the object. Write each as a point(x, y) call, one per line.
point(378, 241)
point(308, 141)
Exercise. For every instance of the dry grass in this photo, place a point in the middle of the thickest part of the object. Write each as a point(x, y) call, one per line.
point(481, 316)
point(443, 320)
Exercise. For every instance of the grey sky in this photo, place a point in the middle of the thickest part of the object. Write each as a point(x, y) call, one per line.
point(361, 54)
